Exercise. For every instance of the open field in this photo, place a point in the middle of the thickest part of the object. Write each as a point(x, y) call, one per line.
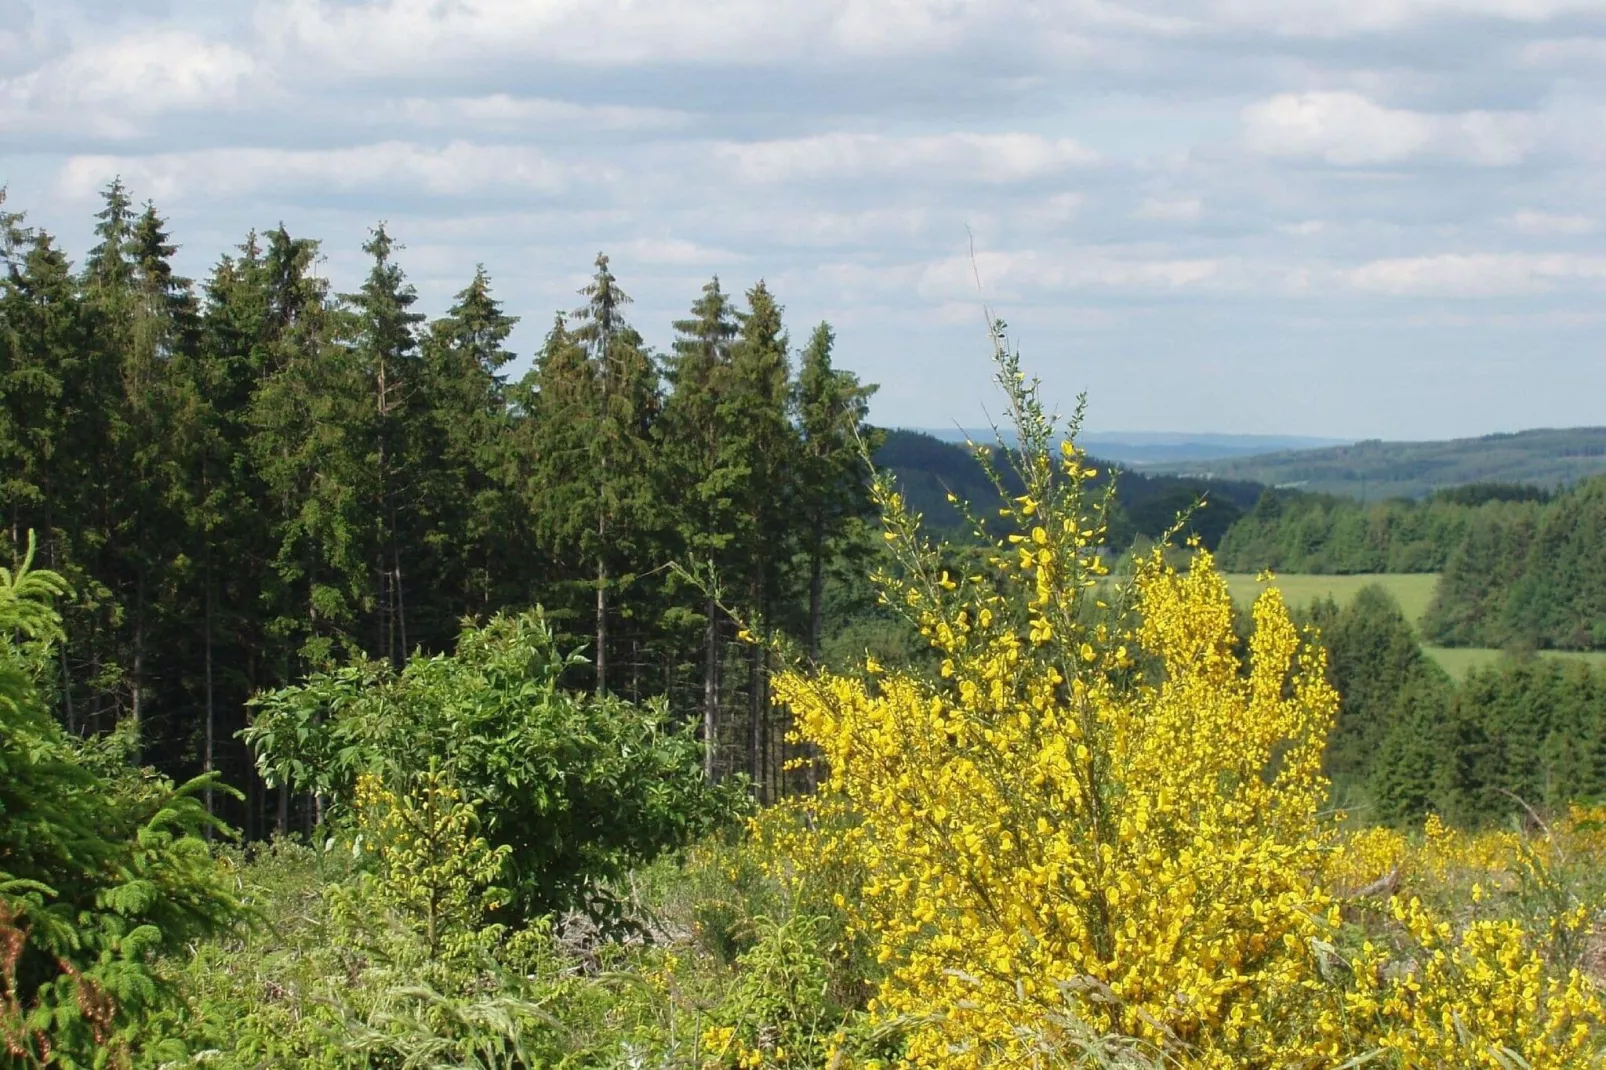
point(1458, 661)
point(1412, 590)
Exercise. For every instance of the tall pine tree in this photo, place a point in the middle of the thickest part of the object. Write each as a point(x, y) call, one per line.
point(386, 351)
point(471, 526)
point(692, 465)
point(833, 484)
point(760, 452)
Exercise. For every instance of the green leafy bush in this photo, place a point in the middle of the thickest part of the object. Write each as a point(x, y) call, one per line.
point(577, 787)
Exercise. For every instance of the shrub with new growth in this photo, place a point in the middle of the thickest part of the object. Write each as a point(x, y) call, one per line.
point(578, 788)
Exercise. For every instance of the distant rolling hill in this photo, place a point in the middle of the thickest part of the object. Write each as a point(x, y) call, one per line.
point(1374, 470)
point(927, 468)
point(1140, 448)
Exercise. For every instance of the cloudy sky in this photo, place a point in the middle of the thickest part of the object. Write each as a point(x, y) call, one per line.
point(1354, 218)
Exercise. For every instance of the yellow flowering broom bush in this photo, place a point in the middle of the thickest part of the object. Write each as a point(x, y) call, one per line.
point(1502, 986)
point(1102, 815)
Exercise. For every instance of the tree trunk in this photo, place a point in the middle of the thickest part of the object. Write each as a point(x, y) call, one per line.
point(66, 690)
point(312, 606)
point(207, 756)
point(384, 622)
point(139, 668)
point(602, 620)
point(602, 522)
point(635, 670)
point(50, 542)
point(401, 601)
point(811, 774)
point(711, 692)
point(816, 587)
point(755, 719)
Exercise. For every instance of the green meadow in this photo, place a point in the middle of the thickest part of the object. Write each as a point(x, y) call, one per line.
point(1412, 590)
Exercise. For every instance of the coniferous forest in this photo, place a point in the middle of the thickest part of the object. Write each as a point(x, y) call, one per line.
point(249, 477)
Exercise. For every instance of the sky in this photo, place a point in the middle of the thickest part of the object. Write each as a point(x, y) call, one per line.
point(1348, 218)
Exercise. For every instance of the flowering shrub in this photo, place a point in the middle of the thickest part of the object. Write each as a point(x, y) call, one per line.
point(1483, 997)
point(1500, 987)
point(1102, 816)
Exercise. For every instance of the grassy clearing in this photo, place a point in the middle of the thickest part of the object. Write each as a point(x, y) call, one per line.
point(1458, 661)
point(1412, 590)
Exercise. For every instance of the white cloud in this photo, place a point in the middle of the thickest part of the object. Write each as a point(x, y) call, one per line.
point(1347, 129)
point(457, 169)
point(1183, 210)
point(826, 229)
point(1529, 221)
point(426, 35)
point(1585, 52)
point(112, 87)
point(960, 156)
point(1342, 128)
point(841, 148)
point(1010, 276)
point(1344, 18)
point(1476, 274)
point(395, 35)
point(678, 251)
point(503, 112)
point(1055, 212)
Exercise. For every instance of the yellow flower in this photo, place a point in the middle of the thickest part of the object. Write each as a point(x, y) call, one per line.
point(1037, 835)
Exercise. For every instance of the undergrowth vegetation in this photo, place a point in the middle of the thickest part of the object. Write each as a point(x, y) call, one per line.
point(1092, 829)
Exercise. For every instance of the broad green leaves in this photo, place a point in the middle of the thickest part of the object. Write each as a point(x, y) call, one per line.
point(577, 788)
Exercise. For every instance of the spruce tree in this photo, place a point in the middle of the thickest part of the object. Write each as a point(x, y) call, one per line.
point(114, 549)
point(693, 471)
point(629, 401)
point(468, 514)
point(760, 451)
point(833, 486)
point(309, 416)
point(1373, 656)
point(1409, 776)
point(594, 399)
point(387, 353)
point(234, 522)
point(53, 390)
point(162, 425)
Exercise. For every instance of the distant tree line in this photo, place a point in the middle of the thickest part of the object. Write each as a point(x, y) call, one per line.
point(1525, 731)
point(1293, 531)
point(1377, 471)
point(1528, 575)
point(1521, 567)
point(252, 478)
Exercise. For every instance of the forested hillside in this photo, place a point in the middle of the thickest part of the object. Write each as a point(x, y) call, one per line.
point(1528, 575)
point(1295, 531)
point(928, 469)
point(1373, 470)
point(1408, 740)
point(250, 478)
point(1519, 567)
